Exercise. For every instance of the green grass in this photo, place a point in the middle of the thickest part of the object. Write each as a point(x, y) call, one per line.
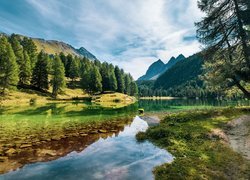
point(197, 156)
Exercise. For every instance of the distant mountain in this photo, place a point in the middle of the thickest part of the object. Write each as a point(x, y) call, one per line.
point(84, 52)
point(55, 47)
point(181, 73)
point(158, 67)
point(153, 70)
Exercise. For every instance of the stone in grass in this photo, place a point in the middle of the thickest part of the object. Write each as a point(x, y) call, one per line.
point(25, 145)
point(102, 131)
point(11, 151)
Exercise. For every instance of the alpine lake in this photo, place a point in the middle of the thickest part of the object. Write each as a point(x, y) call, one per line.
point(80, 140)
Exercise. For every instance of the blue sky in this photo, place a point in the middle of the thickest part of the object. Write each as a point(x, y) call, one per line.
point(128, 33)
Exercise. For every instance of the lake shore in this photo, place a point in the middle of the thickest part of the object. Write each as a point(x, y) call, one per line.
point(28, 97)
point(199, 142)
point(158, 98)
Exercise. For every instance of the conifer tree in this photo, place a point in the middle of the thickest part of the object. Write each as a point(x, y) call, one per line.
point(8, 66)
point(68, 64)
point(120, 80)
point(224, 34)
point(134, 89)
point(64, 59)
point(74, 69)
point(30, 47)
point(95, 80)
point(127, 84)
point(40, 72)
point(58, 78)
point(85, 75)
point(112, 79)
point(25, 70)
point(17, 48)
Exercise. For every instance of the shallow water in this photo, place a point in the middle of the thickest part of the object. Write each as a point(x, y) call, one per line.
point(117, 157)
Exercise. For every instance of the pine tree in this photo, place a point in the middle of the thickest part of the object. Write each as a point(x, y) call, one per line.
point(17, 48)
point(120, 80)
point(127, 84)
point(134, 89)
point(58, 78)
point(64, 59)
point(85, 75)
point(95, 80)
point(40, 72)
point(223, 32)
point(104, 70)
point(74, 69)
point(25, 70)
point(112, 78)
point(68, 64)
point(30, 47)
point(8, 66)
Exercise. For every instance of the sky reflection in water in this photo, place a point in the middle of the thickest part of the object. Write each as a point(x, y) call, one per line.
point(119, 157)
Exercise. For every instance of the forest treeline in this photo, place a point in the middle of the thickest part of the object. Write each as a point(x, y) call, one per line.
point(22, 66)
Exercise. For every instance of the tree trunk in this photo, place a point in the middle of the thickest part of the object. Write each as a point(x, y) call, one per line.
point(245, 92)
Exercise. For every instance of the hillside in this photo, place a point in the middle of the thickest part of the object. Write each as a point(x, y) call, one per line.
point(181, 72)
point(158, 67)
point(55, 47)
point(180, 80)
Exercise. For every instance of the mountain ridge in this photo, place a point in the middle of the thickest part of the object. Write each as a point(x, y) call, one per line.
point(56, 47)
point(158, 67)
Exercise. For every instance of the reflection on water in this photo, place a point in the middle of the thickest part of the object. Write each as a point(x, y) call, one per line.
point(42, 133)
point(116, 157)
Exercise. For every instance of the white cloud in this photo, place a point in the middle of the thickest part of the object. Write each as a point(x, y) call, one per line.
point(131, 33)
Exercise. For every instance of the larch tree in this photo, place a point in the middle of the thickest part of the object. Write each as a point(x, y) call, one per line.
point(223, 31)
point(30, 47)
point(95, 80)
point(40, 72)
point(25, 70)
point(8, 66)
point(58, 76)
point(74, 70)
point(120, 80)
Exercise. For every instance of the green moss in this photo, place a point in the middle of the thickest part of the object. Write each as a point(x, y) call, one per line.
point(197, 156)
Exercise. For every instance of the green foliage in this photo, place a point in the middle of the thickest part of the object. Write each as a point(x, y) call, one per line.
point(186, 135)
point(8, 66)
point(133, 89)
point(40, 72)
point(74, 69)
point(34, 69)
point(30, 47)
point(127, 80)
point(222, 31)
point(17, 48)
point(25, 70)
point(95, 80)
point(120, 80)
point(58, 79)
point(180, 73)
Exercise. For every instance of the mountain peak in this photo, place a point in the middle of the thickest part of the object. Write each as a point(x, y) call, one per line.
point(159, 61)
point(180, 57)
